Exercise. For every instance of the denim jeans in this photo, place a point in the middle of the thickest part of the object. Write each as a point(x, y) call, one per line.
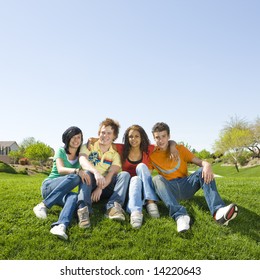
point(141, 188)
point(172, 191)
point(115, 192)
point(58, 191)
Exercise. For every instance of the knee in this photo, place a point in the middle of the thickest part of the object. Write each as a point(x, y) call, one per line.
point(74, 178)
point(124, 175)
point(157, 180)
point(135, 181)
point(141, 167)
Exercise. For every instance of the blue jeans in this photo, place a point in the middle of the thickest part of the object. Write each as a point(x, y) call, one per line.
point(115, 192)
point(141, 188)
point(172, 191)
point(58, 191)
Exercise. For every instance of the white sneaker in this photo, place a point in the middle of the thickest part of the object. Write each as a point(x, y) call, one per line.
point(183, 223)
point(152, 210)
point(60, 231)
point(226, 214)
point(40, 211)
point(136, 219)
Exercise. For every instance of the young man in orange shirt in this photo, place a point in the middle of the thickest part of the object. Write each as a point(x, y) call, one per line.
point(174, 184)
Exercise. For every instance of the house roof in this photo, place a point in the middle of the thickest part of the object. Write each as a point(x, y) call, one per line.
point(7, 143)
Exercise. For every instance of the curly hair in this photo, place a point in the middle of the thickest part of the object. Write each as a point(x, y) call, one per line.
point(145, 142)
point(114, 125)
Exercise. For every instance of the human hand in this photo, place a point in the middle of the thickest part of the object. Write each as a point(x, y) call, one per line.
point(84, 177)
point(207, 173)
point(96, 194)
point(100, 180)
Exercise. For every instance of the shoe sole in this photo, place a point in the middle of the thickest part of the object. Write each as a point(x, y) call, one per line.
point(84, 226)
point(230, 215)
point(63, 237)
point(116, 218)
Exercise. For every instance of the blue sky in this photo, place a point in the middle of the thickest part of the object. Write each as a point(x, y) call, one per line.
point(191, 64)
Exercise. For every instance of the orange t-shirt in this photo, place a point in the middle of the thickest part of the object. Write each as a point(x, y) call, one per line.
point(167, 167)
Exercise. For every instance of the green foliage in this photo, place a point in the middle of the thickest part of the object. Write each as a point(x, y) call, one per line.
point(24, 237)
point(38, 151)
point(4, 167)
point(203, 154)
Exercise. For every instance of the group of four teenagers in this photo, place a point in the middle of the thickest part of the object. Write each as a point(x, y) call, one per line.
point(121, 174)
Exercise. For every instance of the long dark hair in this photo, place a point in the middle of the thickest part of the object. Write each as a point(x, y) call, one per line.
point(145, 142)
point(68, 134)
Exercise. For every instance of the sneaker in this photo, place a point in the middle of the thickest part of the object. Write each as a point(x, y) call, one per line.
point(136, 219)
point(40, 211)
point(152, 210)
point(83, 216)
point(116, 212)
point(226, 214)
point(60, 231)
point(183, 223)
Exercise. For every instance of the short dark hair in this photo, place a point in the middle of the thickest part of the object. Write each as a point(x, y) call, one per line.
point(161, 126)
point(109, 122)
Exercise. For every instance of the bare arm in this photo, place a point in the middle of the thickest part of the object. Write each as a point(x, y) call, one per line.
point(64, 170)
point(207, 173)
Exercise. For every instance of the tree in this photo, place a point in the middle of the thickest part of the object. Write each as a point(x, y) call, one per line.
point(15, 155)
point(38, 151)
point(203, 154)
point(234, 138)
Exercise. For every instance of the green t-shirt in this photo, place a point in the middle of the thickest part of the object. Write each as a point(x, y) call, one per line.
point(62, 154)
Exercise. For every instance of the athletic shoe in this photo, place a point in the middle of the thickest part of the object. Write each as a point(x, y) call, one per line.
point(183, 223)
point(60, 231)
point(83, 216)
point(226, 214)
point(40, 211)
point(152, 210)
point(116, 212)
point(136, 219)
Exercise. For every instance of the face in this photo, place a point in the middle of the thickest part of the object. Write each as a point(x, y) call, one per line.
point(134, 138)
point(106, 135)
point(161, 139)
point(75, 141)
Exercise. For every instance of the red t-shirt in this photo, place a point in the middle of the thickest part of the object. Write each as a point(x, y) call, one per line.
point(130, 166)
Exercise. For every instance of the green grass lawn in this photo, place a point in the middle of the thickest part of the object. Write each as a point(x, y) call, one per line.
point(24, 237)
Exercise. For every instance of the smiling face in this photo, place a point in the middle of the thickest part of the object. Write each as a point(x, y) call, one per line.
point(134, 138)
point(161, 139)
point(106, 135)
point(75, 141)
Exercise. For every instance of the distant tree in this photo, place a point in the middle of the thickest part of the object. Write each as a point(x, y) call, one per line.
point(234, 138)
point(39, 152)
point(15, 155)
point(203, 154)
point(27, 142)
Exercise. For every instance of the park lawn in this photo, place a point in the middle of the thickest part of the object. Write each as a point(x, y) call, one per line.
point(24, 237)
